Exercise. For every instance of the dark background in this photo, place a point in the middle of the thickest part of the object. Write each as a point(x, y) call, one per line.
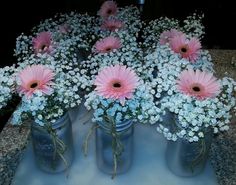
point(21, 16)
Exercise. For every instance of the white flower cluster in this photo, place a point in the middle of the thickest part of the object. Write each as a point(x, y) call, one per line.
point(67, 93)
point(130, 18)
point(130, 54)
point(6, 85)
point(70, 33)
point(140, 108)
point(162, 68)
point(72, 38)
point(130, 15)
point(75, 26)
point(64, 50)
point(192, 118)
point(191, 26)
point(153, 30)
point(75, 61)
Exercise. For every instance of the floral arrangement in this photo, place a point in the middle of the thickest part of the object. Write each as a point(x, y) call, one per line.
point(117, 48)
point(117, 99)
point(66, 37)
point(110, 39)
point(163, 65)
point(111, 18)
point(116, 39)
point(123, 80)
point(117, 96)
point(42, 85)
point(200, 102)
point(191, 26)
point(47, 93)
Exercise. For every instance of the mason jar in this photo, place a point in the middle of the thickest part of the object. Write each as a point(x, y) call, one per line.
point(53, 148)
point(185, 158)
point(104, 150)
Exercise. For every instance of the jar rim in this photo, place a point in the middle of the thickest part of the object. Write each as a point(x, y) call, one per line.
point(60, 122)
point(122, 126)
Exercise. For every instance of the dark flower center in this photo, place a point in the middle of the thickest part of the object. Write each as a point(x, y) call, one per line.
point(108, 49)
point(109, 11)
point(112, 27)
point(33, 85)
point(117, 85)
point(183, 50)
point(196, 89)
point(43, 46)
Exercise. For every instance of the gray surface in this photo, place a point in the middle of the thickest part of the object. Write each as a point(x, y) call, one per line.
point(13, 141)
point(149, 166)
point(223, 157)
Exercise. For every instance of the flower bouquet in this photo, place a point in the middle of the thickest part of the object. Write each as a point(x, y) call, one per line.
point(174, 52)
point(66, 37)
point(47, 95)
point(117, 48)
point(191, 26)
point(111, 18)
point(62, 42)
point(201, 106)
point(119, 100)
point(115, 41)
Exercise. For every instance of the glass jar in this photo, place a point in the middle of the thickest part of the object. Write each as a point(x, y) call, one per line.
point(186, 158)
point(105, 150)
point(53, 147)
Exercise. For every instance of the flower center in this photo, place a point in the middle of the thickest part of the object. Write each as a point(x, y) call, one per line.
point(34, 85)
point(117, 85)
point(108, 49)
point(196, 89)
point(109, 11)
point(43, 47)
point(183, 49)
point(112, 27)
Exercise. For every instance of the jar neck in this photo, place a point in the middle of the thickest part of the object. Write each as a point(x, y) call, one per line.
point(61, 122)
point(119, 127)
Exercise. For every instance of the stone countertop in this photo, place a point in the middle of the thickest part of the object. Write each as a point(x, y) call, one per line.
point(223, 156)
point(223, 149)
point(13, 140)
point(224, 62)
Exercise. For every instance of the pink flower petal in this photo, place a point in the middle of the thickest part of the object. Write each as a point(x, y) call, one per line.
point(117, 82)
point(198, 84)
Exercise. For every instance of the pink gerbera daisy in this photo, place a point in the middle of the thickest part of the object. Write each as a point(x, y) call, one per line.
point(35, 77)
point(112, 24)
point(188, 49)
point(117, 82)
point(107, 9)
point(107, 44)
point(43, 43)
point(167, 35)
point(198, 84)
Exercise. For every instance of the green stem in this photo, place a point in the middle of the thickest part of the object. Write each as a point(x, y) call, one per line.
point(117, 147)
point(88, 136)
point(115, 166)
point(59, 145)
point(200, 156)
